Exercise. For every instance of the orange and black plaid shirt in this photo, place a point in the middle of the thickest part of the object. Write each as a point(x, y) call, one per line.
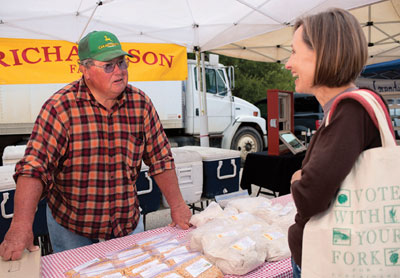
point(89, 158)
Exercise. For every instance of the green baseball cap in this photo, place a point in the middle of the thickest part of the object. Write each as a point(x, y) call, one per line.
point(101, 46)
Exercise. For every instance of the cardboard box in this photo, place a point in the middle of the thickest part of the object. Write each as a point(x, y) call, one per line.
point(28, 266)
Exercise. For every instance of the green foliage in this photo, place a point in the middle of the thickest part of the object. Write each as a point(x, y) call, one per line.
point(253, 79)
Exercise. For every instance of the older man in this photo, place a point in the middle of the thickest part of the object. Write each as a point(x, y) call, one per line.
point(85, 154)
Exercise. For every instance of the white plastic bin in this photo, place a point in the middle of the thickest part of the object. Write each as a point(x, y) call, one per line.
point(12, 154)
point(221, 169)
point(189, 170)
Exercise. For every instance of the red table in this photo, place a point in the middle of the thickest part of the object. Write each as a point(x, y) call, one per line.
point(54, 265)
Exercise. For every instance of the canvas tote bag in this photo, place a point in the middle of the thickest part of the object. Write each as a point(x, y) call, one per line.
point(359, 235)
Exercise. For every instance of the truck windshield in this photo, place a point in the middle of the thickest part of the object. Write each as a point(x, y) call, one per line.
point(215, 81)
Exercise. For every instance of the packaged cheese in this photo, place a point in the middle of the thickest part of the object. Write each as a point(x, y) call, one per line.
point(153, 240)
point(100, 269)
point(199, 267)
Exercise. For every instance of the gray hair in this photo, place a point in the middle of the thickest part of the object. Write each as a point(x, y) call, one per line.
point(87, 62)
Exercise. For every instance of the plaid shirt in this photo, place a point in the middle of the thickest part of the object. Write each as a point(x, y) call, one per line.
point(89, 158)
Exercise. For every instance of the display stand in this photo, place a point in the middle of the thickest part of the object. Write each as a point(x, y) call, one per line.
point(280, 111)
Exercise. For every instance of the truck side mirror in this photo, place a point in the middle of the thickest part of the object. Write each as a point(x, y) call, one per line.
point(231, 77)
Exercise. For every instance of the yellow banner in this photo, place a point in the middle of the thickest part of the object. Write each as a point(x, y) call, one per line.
point(27, 61)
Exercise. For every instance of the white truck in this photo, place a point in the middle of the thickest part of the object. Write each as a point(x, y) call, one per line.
point(233, 123)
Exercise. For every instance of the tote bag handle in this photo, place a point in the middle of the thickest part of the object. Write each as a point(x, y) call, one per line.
point(376, 112)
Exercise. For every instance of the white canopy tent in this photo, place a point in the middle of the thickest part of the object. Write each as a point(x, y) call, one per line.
point(380, 22)
point(199, 25)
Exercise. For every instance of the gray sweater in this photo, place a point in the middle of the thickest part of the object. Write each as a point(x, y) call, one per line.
point(331, 154)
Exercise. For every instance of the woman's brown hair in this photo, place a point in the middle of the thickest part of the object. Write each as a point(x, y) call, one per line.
point(340, 45)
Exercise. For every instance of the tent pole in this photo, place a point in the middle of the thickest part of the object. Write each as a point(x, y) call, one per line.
point(204, 139)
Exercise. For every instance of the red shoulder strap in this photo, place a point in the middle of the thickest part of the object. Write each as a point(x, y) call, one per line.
point(365, 104)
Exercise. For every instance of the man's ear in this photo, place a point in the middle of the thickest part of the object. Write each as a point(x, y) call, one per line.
point(84, 71)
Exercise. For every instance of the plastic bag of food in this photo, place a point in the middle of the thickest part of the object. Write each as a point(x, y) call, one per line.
point(169, 274)
point(212, 211)
point(155, 239)
point(239, 256)
point(75, 270)
point(152, 271)
point(165, 246)
point(125, 253)
point(126, 262)
point(100, 269)
point(249, 204)
point(175, 259)
point(199, 267)
point(286, 217)
point(216, 225)
point(133, 269)
point(118, 273)
point(275, 240)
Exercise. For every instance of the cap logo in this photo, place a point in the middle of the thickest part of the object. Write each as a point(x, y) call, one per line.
point(110, 44)
point(100, 46)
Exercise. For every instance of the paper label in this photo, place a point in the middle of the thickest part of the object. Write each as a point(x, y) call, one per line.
point(273, 235)
point(226, 234)
point(198, 267)
point(244, 244)
point(240, 216)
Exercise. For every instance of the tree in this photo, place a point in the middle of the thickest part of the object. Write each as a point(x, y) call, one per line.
point(253, 79)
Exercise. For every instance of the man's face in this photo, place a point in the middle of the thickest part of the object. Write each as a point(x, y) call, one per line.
point(107, 84)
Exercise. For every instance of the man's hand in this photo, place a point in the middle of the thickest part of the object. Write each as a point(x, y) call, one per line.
point(181, 216)
point(16, 240)
point(180, 212)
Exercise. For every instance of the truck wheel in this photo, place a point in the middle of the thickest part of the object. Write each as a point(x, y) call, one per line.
point(247, 140)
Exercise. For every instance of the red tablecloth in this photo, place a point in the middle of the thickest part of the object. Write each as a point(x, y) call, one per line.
point(54, 265)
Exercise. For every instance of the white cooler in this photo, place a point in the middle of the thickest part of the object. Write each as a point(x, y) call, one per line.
point(13, 154)
point(189, 170)
point(221, 169)
point(7, 191)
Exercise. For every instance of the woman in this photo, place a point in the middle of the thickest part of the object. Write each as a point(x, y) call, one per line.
point(329, 52)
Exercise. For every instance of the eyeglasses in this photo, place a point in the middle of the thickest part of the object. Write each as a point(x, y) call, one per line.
point(109, 67)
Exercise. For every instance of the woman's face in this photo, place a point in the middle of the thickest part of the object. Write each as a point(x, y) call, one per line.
point(302, 63)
